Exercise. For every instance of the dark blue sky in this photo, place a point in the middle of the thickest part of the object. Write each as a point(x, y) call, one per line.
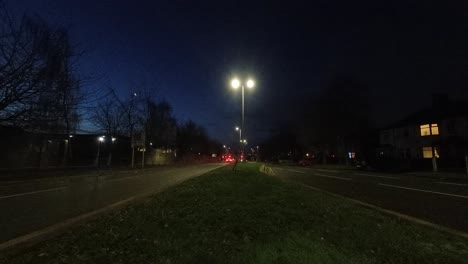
point(186, 52)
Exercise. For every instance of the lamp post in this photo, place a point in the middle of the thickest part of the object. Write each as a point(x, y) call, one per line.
point(235, 84)
point(100, 140)
point(240, 133)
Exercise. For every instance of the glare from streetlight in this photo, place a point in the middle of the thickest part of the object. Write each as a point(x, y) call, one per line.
point(101, 139)
point(250, 83)
point(235, 83)
point(237, 128)
point(224, 146)
point(114, 139)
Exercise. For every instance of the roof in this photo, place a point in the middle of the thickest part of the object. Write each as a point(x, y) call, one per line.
point(434, 114)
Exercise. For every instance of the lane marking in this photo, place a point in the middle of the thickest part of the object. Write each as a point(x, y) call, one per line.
point(377, 176)
point(42, 233)
point(328, 170)
point(295, 171)
point(453, 183)
point(124, 178)
point(390, 212)
point(28, 193)
point(426, 191)
point(334, 177)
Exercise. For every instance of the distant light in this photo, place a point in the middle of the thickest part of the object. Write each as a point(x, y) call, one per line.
point(307, 154)
point(101, 139)
point(70, 136)
point(235, 83)
point(237, 128)
point(135, 94)
point(250, 83)
point(151, 143)
point(224, 146)
point(114, 139)
point(199, 153)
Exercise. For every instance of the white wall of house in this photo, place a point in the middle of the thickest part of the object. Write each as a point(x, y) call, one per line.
point(407, 140)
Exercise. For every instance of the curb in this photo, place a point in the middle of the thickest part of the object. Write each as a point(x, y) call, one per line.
point(50, 231)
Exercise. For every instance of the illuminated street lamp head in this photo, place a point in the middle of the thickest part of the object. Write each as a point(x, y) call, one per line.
point(101, 139)
point(250, 83)
point(237, 128)
point(235, 83)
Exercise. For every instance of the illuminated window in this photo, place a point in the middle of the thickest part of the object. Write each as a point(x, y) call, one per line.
point(434, 129)
point(427, 152)
point(429, 129)
point(425, 130)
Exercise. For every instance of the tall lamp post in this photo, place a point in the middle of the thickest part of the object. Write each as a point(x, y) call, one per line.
point(240, 133)
point(235, 84)
point(100, 140)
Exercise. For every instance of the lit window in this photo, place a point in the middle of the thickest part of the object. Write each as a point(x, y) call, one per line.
point(434, 129)
point(425, 130)
point(427, 152)
point(429, 129)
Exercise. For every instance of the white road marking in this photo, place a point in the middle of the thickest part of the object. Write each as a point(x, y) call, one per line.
point(377, 176)
point(334, 177)
point(380, 209)
point(453, 183)
point(296, 171)
point(421, 190)
point(119, 179)
point(327, 170)
point(28, 193)
point(40, 234)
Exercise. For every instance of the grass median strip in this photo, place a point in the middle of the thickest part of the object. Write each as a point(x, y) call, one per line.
point(243, 216)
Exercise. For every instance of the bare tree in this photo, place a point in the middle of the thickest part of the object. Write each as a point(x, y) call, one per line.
point(107, 116)
point(38, 89)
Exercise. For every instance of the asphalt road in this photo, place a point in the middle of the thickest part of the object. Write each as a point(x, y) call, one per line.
point(31, 205)
point(442, 202)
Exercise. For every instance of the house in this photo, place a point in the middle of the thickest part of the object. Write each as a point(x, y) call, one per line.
point(440, 131)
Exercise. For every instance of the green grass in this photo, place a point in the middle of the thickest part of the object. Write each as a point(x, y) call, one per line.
point(246, 217)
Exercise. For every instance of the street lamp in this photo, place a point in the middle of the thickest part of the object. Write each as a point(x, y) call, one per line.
point(236, 83)
point(240, 133)
point(100, 140)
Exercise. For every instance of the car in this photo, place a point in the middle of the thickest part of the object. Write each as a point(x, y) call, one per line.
point(228, 158)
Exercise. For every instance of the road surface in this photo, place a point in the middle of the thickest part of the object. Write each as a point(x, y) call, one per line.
point(27, 206)
point(443, 202)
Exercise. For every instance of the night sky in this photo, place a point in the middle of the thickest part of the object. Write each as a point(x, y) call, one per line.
point(187, 51)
